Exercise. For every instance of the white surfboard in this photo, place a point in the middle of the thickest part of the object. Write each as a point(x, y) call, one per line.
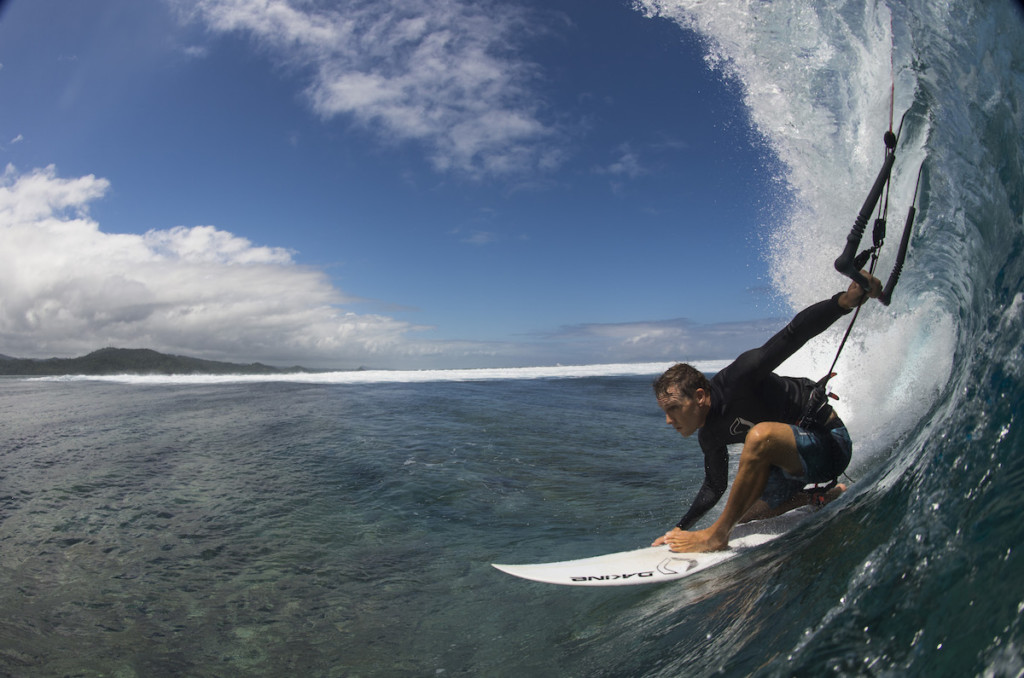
point(655, 563)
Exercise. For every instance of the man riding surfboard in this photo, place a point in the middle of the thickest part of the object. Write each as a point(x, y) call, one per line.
point(783, 448)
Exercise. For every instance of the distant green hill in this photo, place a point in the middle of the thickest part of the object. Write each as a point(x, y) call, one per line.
point(130, 361)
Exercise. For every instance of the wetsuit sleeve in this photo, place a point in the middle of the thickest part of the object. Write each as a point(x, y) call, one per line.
point(716, 480)
point(806, 325)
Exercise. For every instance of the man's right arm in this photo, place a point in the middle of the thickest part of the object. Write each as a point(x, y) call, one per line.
point(716, 482)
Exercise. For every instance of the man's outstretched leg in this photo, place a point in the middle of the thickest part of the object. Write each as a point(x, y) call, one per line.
point(767, 444)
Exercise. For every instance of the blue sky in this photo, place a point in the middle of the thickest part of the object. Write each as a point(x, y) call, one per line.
point(395, 183)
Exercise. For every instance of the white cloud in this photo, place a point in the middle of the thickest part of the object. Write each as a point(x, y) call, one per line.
point(205, 244)
point(480, 238)
point(626, 165)
point(475, 236)
point(670, 340)
point(67, 288)
point(195, 52)
point(439, 72)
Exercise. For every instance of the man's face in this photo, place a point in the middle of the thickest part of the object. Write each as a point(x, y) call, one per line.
point(683, 413)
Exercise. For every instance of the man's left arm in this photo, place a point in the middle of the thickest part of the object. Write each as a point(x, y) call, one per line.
point(857, 295)
point(808, 324)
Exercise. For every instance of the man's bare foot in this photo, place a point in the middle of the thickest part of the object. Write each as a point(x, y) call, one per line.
point(830, 496)
point(760, 510)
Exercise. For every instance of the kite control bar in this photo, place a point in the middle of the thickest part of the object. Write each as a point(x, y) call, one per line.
point(846, 263)
point(849, 262)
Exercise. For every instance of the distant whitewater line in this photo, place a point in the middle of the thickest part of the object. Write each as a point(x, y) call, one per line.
point(401, 376)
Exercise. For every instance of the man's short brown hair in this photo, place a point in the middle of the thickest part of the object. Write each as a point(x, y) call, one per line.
point(686, 378)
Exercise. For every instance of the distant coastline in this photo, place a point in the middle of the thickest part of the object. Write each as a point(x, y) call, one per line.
point(112, 361)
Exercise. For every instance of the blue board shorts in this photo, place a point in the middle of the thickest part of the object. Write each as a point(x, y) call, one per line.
point(824, 454)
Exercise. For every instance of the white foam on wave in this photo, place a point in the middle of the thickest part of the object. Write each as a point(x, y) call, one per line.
point(399, 376)
point(893, 369)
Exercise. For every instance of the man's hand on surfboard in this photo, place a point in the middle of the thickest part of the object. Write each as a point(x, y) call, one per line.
point(682, 541)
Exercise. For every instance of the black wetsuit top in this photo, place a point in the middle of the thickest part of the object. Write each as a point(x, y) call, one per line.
point(747, 392)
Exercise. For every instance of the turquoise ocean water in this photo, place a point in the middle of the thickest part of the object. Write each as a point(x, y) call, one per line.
point(343, 525)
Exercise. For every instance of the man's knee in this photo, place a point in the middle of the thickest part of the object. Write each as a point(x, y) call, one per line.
point(773, 443)
point(761, 437)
